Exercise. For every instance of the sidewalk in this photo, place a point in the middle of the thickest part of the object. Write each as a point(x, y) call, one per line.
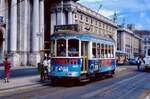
point(21, 78)
point(24, 82)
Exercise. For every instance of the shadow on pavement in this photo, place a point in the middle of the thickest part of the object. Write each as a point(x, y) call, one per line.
point(21, 72)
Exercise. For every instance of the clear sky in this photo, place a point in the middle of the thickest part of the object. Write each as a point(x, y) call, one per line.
point(131, 11)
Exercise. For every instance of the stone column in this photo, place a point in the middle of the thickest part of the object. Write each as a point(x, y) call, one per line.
point(70, 17)
point(35, 25)
point(53, 21)
point(73, 18)
point(13, 24)
point(60, 14)
point(25, 33)
point(35, 56)
point(14, 57)
point(41, 38)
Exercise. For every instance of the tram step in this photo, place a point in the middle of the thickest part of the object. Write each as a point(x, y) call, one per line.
point(85, 80)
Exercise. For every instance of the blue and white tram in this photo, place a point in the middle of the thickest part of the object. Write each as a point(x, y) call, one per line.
point(147, 58)
point(78, 56)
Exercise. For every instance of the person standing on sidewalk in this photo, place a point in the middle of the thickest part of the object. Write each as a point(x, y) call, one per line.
point(41, 71)
point(45, 63)
point(138, 63)
point(7, 69)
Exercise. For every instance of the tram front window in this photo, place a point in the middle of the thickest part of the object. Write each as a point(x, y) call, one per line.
point(73, 48)
point(61, 47)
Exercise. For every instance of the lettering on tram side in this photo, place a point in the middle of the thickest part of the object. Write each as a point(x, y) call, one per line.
point(106, 62)
point(65, 61)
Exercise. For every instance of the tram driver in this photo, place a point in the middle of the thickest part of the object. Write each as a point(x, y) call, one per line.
point(72, 51)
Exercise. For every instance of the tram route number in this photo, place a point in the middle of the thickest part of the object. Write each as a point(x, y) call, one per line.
point(65, 61)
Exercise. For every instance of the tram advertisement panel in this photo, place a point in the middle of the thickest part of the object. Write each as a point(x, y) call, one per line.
point(66, 67)
point(101, 65)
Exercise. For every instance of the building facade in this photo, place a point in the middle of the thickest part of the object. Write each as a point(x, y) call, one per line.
point(70, 12)
point(26, 26)
point(23, 30)
point(145, 44)
point(129, 42)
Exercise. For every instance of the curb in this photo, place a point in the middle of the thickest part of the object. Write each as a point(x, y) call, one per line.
point(5, 91)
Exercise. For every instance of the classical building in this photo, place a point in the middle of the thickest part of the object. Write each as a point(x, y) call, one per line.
point(145, 44)
point(26, 26)
point(129, 42)
point(22, 30)
point(70, 12)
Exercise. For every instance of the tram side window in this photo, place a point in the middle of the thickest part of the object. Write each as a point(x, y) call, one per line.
point(102, 51)
point(106, 51)
point(109, 51)
point(94, 50)
point(148, 52)
point(61, 47)
point(53, 48)
point(98, 51)
point(73, 47)
point(112, 51)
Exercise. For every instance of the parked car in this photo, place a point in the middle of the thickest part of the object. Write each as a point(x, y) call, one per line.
point(132, 61)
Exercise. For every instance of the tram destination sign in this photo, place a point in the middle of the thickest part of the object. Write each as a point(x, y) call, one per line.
point(66, 28)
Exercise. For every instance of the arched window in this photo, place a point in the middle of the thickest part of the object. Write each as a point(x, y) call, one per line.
point(61, 47)
point(73, 47)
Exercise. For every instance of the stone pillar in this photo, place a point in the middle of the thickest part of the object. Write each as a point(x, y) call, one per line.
point(13, 24)
point(73, 18)
point(14, 57)
point(41, 38)
point(35, 56)
point(70, 17)
point(53, 21)
point(60, 16)
point(35, 25)
point(25, 33)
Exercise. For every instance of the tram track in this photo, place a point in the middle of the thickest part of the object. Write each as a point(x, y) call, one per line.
point(123, 82)
point(109, 89)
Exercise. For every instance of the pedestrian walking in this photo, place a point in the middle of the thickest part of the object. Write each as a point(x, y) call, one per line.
point(45, 63)
point(7, 67)
point(138, 63)
point(49, 64)
point(41, 71)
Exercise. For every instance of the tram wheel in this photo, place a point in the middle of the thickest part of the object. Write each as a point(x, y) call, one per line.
point(54, 82)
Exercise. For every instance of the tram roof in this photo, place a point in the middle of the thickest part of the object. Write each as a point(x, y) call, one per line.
point(82, 36)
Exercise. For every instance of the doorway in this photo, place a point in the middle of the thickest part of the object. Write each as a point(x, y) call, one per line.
point(84, 55)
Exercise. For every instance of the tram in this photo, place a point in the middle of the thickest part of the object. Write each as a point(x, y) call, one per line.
point(80, 56)
point(121, 58)
point(147, 59)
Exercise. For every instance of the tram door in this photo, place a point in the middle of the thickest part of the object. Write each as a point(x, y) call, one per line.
point(84, 55)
